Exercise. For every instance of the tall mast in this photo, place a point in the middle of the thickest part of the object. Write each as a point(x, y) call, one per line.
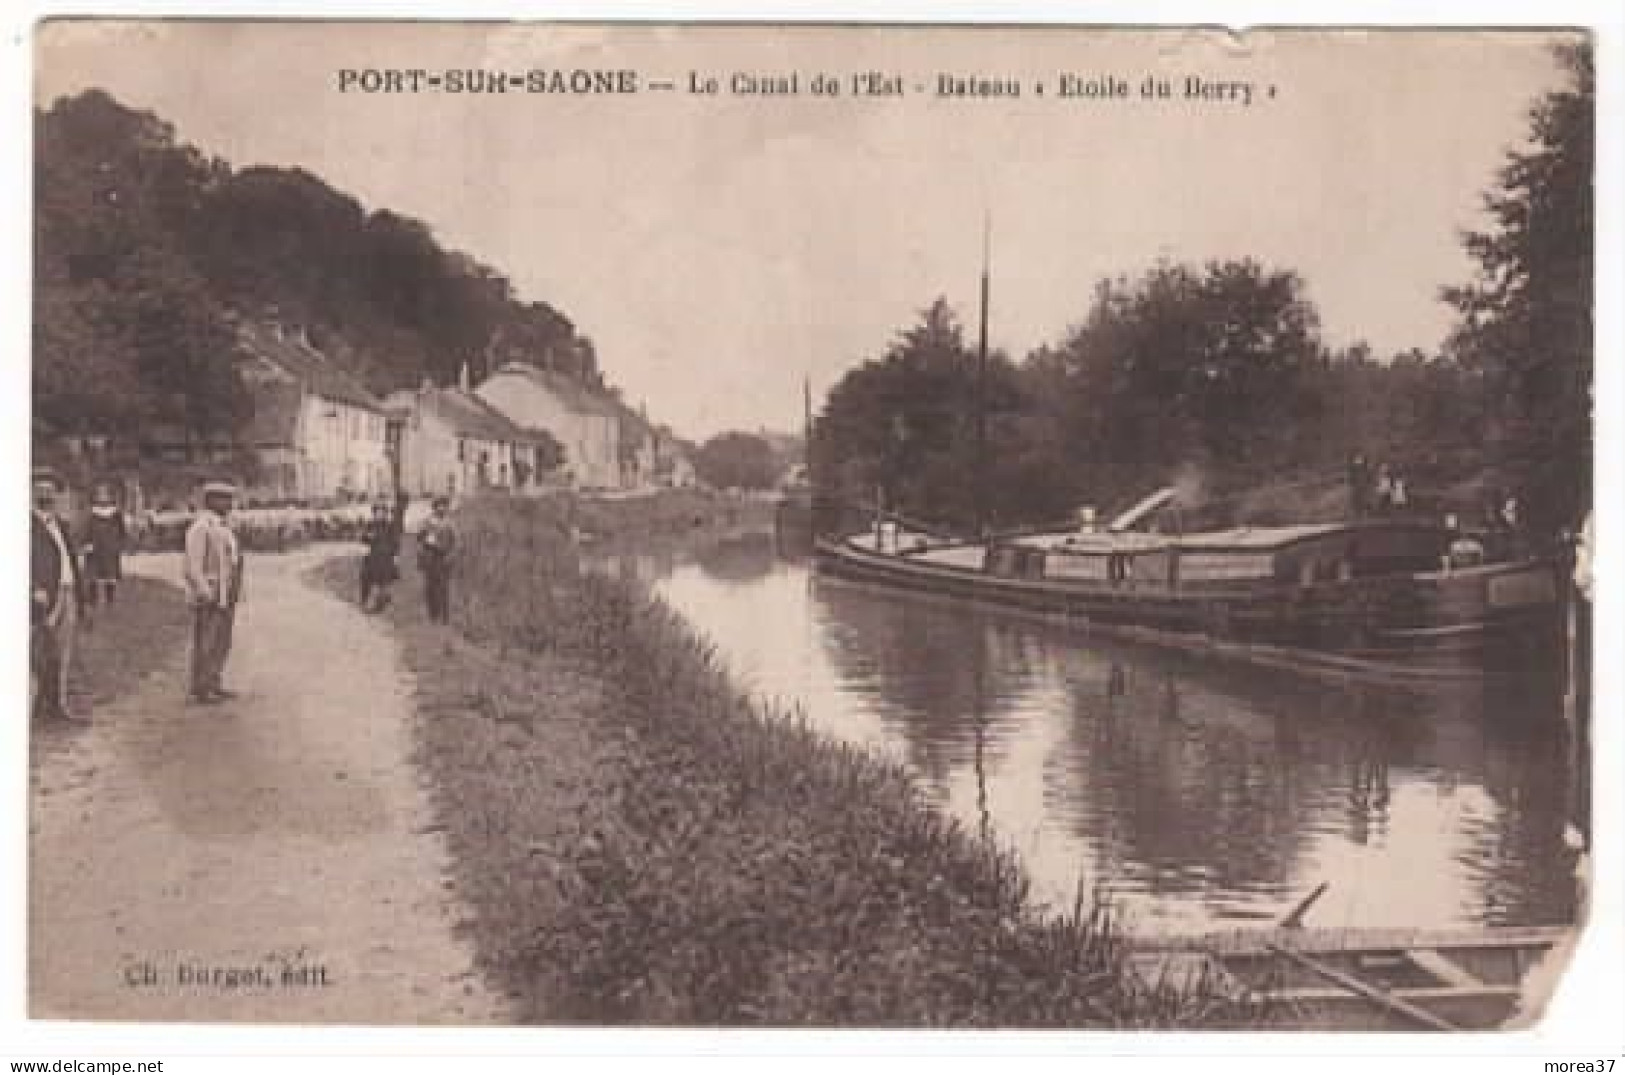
point(981, 381)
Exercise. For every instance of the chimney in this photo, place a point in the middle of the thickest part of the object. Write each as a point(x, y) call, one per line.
point(462, 377)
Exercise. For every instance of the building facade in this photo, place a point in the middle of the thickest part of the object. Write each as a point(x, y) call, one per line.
point(673, 469)
point(317, 432)
point(587, 426)
point(450, 441)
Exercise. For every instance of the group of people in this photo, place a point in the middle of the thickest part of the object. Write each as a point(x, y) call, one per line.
point(1381, 490)
point(69, 577)
point(437, 546)
point(214, 576)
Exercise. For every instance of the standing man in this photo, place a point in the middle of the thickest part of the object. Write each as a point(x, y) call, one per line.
point(437, 543)
point(378, 570)
point(214, 585)
point(1579, 692)
point(1359, 486)
point(1384, 491)
point(1399, 498)
point(57, 598)
point(398, 517)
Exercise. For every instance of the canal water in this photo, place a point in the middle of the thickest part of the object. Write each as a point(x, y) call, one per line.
point(1194, 795)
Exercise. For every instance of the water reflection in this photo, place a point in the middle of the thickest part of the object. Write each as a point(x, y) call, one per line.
point(1199, 795)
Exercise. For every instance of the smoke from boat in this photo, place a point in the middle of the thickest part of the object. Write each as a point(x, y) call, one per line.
point(1190, 487)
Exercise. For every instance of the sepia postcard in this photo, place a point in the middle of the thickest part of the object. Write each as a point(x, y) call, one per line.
point(838, 526)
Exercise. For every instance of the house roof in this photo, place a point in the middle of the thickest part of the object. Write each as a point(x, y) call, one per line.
point(308, 366)
point(465, 412)
point(633, 424)
point(399, 403)
point(470, 414)
point(574, 395)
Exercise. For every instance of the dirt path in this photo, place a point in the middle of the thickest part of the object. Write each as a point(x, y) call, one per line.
point(220, 863)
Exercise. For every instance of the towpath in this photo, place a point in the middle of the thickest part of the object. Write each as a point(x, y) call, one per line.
point(270, 859)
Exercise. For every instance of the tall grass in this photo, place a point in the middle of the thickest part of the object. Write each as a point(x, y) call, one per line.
point(734, 866)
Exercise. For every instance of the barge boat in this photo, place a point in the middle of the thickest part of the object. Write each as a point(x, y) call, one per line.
point(1384, 592)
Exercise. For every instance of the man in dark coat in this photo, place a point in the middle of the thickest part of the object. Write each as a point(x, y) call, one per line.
point(378, 570)
point(1359, 486)
point(58, 596)
point(104, 549)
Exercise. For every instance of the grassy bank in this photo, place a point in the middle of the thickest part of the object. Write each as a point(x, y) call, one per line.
point(119, 646)
point(127, 639)
point(642, 843)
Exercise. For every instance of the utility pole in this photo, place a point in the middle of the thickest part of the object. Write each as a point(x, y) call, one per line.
point(981, 382)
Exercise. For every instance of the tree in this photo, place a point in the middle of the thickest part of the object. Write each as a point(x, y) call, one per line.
point(1208, 369)
point(904, 425)
point(281, 236)
point(1526, 316)
point(126, 330)
point(146, 252)
point(736, 461)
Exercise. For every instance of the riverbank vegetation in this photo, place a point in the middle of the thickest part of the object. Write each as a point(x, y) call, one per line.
point(1215, 378)
point(643, 843)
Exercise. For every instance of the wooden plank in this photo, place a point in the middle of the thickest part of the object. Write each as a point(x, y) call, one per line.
point(1328, 995)
point(1257, 941)
point(1467, 1009)
point(1365, 989)
point(1444, 969)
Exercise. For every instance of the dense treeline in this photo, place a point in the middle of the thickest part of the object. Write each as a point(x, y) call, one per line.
point(737, 461)
point(145, 248)
point(1526, 317)
point(1216, 378)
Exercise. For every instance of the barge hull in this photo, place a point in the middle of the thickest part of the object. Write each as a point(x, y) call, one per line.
point(1347, 634)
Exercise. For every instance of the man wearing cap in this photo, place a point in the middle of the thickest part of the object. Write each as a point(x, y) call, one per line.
point(437, 543)
point(214, 584)
point(57, 598)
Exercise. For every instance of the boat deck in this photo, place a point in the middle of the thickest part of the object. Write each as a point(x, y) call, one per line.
point(968, 557)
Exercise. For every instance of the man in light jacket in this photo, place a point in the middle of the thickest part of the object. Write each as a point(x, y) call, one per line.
point(214, 585)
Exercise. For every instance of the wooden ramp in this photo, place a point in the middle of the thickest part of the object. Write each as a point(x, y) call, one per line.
point(1358, 979)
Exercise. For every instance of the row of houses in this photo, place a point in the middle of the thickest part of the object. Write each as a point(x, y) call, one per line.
point(318, 433)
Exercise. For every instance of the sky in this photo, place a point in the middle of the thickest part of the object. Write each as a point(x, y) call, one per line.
point(720, 249)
